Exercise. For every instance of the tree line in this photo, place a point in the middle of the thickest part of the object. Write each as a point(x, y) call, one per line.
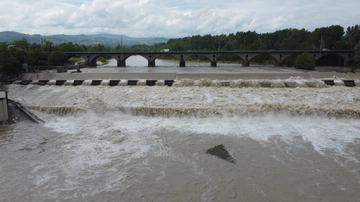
point(334, 37)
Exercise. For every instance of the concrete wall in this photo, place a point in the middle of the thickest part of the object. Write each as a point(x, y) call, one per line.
point(4, 114)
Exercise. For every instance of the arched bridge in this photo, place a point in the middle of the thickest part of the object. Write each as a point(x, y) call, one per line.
point(213, 56)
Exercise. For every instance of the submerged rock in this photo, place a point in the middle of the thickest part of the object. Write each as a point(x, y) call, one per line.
point(221, 152)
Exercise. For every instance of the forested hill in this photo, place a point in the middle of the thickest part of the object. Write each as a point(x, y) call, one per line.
point(332, 37)
point(108, 40)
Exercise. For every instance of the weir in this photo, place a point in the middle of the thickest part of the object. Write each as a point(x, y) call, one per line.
point(204, 112)
point(197, 98)
point(191, 82)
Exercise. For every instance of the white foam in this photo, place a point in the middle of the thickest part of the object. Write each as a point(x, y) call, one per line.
point(160, 83)
point(324, 134)
point(51, 82)
point(203, 82)
point(69, 83)
point(105, 82)
point(336, 101)
point(123, 83)
point(141, 82)
point(357, 82)
point(338, 82)
point(87, 83)
point(131, 135)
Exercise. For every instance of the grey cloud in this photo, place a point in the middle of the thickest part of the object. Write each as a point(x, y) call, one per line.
point(170, 18)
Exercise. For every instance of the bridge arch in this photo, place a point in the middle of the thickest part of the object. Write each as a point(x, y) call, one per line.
point(329, 58)
point(231, 57)
point(71, 55)
point(280, 57)
point(184, 56)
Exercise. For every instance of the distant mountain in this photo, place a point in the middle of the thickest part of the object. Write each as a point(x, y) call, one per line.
point(109, 40)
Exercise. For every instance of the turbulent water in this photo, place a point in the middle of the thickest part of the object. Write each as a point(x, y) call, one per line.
point(141, 143)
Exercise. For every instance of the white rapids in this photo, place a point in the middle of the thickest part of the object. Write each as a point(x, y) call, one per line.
point(193, 100)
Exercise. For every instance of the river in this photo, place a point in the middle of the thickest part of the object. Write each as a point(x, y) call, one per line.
point(142, 143)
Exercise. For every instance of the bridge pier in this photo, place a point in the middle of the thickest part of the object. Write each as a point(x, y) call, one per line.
point(182, 63)
point(213, 63)
point(246, 63)
point(277, 63)
point(346, 63)
point(151, 63)
point(121, 63)
point(92, 63)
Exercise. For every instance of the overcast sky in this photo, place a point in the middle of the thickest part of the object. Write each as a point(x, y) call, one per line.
point(173, 18)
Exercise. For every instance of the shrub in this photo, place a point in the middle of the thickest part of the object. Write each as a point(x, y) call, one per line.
point(102, 59)
point(305, 61)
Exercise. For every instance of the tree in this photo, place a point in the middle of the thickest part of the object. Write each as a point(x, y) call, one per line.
point(353, 35)
point(294, 38)
point(332, 35)
point(356, 61)
point(119, 48)
point(12, 66)
point(8, 63)
point(57, 58)
point(48, 46)
point(317, 35)
point(305, 61)
point(23, 43)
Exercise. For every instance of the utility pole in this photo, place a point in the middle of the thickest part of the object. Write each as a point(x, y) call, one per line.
point(219, 49)
point(122, 54)
point(42, 46)
point(321, 41)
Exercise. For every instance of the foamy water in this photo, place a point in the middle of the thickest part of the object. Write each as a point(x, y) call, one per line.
point(141, 143)
point(193, 100)
point(114, 156)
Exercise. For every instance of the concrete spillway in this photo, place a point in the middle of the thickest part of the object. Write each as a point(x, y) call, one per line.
point(26, 112)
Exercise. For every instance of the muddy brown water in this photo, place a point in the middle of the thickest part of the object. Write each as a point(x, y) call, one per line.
point(141, 143)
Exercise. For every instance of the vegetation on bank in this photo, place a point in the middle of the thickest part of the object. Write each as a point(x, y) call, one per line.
point(356, 59)
point(305, 61)
point(14, 54)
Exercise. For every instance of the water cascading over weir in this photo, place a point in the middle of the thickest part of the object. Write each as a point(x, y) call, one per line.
point(151, 91)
